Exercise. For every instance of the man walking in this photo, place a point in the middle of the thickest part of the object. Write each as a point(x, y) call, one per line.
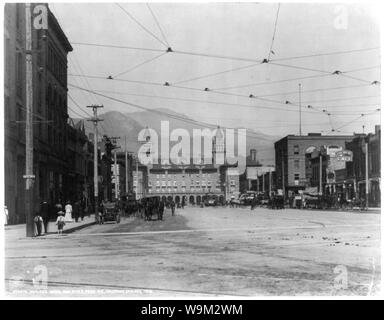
point(161, 210)
point(173, 207)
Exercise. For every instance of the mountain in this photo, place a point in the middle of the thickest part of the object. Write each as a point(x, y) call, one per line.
point(129, 125)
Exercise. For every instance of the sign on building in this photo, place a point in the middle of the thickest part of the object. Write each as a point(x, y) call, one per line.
point(333, 150)
point(233, 171)
point(345, 155)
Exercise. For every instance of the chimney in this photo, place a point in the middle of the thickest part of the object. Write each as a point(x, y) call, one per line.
point(253, 154)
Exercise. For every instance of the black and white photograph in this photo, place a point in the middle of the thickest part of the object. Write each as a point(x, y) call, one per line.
point(181, 150)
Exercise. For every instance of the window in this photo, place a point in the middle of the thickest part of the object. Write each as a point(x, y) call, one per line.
point(296, 149)
point(297, 176)
point(19, 74)
point(296, 164)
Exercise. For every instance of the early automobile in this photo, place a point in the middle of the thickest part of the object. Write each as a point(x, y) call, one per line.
point(211, 200)
point(111, 212)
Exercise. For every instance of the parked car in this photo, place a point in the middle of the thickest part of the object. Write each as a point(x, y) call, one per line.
point(210, 201)
point(111, 212)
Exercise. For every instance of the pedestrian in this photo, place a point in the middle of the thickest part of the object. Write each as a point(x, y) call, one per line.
point(82, 209)
point(253, 203)
point(68, 212)
point(161, 210)
point(44, 212)
point(60, 222)
point(173, 207)
point(76, 210)
point(38, 220)
point(6, 215)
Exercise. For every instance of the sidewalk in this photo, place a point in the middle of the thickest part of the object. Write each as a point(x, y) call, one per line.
point(18, 230)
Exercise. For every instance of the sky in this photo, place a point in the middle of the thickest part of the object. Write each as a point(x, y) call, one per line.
point(243, 33)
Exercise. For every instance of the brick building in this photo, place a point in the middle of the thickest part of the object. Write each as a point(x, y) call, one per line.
point(355, 170)
point(292, 158)
point(191, 182)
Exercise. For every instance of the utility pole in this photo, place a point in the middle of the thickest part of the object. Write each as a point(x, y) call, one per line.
point(95, 121)
point(137, 177)
point(300, 109)
point(283, 174)
point(126, 165)
point(321, 174)
point(263, 182)
point(366, 172)
point(29, 176)
point(270, 182)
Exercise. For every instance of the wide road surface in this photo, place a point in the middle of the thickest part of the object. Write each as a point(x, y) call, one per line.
point(205, 252)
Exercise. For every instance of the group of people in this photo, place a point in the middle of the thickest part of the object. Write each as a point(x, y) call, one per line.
point(155, 206)
point(61, 213)
point(147, 207)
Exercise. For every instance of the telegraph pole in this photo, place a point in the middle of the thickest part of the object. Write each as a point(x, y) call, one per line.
point(29, 176)
point(95, 121)
point(283, 176)
point(321, 174)
point(299, 109)
point(114, 139)
point(270, 182)
point(137, 177)
point(366, 172)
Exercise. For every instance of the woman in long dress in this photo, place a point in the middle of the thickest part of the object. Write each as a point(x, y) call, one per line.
point(68, 212)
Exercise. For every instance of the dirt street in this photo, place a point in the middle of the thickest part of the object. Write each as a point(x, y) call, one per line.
point(205, 252)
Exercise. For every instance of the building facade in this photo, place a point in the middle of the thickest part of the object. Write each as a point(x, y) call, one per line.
point(49, 58)
point(292, 158)
point(355, 173)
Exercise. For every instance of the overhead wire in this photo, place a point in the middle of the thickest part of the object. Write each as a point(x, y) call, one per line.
point(221, 56)
point(188, 120)
point(158, 24)
point(141, 25)
point(261, 98)
point(139, 65)
point(350, 122)
point(274, 33)
point(291, 79)
point(199, 101)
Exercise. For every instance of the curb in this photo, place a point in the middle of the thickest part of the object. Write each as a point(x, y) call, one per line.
point(79, 227)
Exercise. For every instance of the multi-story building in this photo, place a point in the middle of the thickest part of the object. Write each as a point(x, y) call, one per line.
point(49, 53)
point(189, 182)
point(292, 158)
point(79, 175)
point(356, 170)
